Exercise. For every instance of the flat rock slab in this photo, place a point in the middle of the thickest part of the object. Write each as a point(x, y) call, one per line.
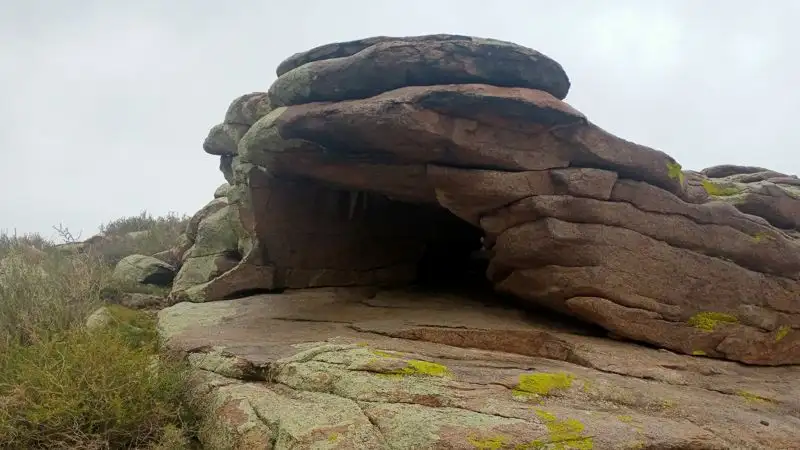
point(365, 68)
point(352, 369)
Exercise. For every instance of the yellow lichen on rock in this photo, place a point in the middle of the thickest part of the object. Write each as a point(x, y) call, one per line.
point(565, 434)
point(417, 367)
point(761, 236)
point(719, 190)
point(710, 320)
point(490, 443)
point(782, 332)
point(675, 171)
point(384, 354)
point(699, 353)
point(753, 398)
point(543, 383)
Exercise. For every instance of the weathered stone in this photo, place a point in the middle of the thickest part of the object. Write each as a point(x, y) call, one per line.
point(725, 170)
point(222, 190)
point(334, 368)
point(210, 208)
point(349, 48)
point(480, 126)
point(223, 139)
point(392, 64)
point(141, 269)
point(137, 300)
point(100, 318)
point(214, 251)
point(247, 109)
point(681, 300)
point(225, 166)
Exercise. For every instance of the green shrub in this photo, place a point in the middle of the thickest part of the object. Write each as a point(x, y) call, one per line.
point(173, 224)
point(15, 242)
point(142, 234)
point(87, 389)
point(62, 386)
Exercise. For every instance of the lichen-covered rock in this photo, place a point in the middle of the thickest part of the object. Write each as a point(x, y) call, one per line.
point(222, 190)
point(341, 368)
point(100, 318)
point(247, 109)
point(142, 269)
point(223, 139)
point(213, 252)
point(760, 192)
point(391, 63)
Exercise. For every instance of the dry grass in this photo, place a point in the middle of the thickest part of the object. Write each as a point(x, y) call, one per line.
point(62, 386)
point(143, 234)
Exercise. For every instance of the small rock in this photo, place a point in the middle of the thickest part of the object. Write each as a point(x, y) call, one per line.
point(100, 318)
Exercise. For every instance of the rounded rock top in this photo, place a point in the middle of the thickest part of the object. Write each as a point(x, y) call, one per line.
point(368, 67)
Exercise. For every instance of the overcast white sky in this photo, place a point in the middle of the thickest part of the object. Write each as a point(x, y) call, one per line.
point(104, 105)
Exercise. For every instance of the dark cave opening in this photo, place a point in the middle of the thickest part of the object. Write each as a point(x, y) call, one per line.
point(454, 259)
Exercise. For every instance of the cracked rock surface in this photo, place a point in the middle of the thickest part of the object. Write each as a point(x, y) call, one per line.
point(351, 368)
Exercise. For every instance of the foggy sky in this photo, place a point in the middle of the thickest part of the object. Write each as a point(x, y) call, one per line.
point(104, 105)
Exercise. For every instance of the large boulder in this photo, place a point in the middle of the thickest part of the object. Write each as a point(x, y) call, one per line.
point(369, 160)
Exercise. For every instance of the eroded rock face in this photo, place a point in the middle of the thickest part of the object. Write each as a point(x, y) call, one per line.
point(362, 154)
point(342, 368)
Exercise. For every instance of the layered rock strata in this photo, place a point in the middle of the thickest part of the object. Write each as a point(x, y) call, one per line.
point(363, 154)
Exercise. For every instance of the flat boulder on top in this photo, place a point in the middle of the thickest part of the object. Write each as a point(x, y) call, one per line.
point(350, 71)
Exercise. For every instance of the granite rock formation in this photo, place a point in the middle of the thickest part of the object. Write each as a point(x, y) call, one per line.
point(376, 162)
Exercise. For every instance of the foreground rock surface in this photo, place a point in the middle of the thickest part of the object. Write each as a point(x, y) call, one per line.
point(352, 369)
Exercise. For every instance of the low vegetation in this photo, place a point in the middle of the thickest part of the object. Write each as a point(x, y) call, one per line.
point(65, 386)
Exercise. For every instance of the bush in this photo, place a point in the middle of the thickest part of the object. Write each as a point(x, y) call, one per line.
point(142, 234)
point(145, 222)
point(62, 386)
point(48, 295)
point(14, 242)
point(87, 389)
